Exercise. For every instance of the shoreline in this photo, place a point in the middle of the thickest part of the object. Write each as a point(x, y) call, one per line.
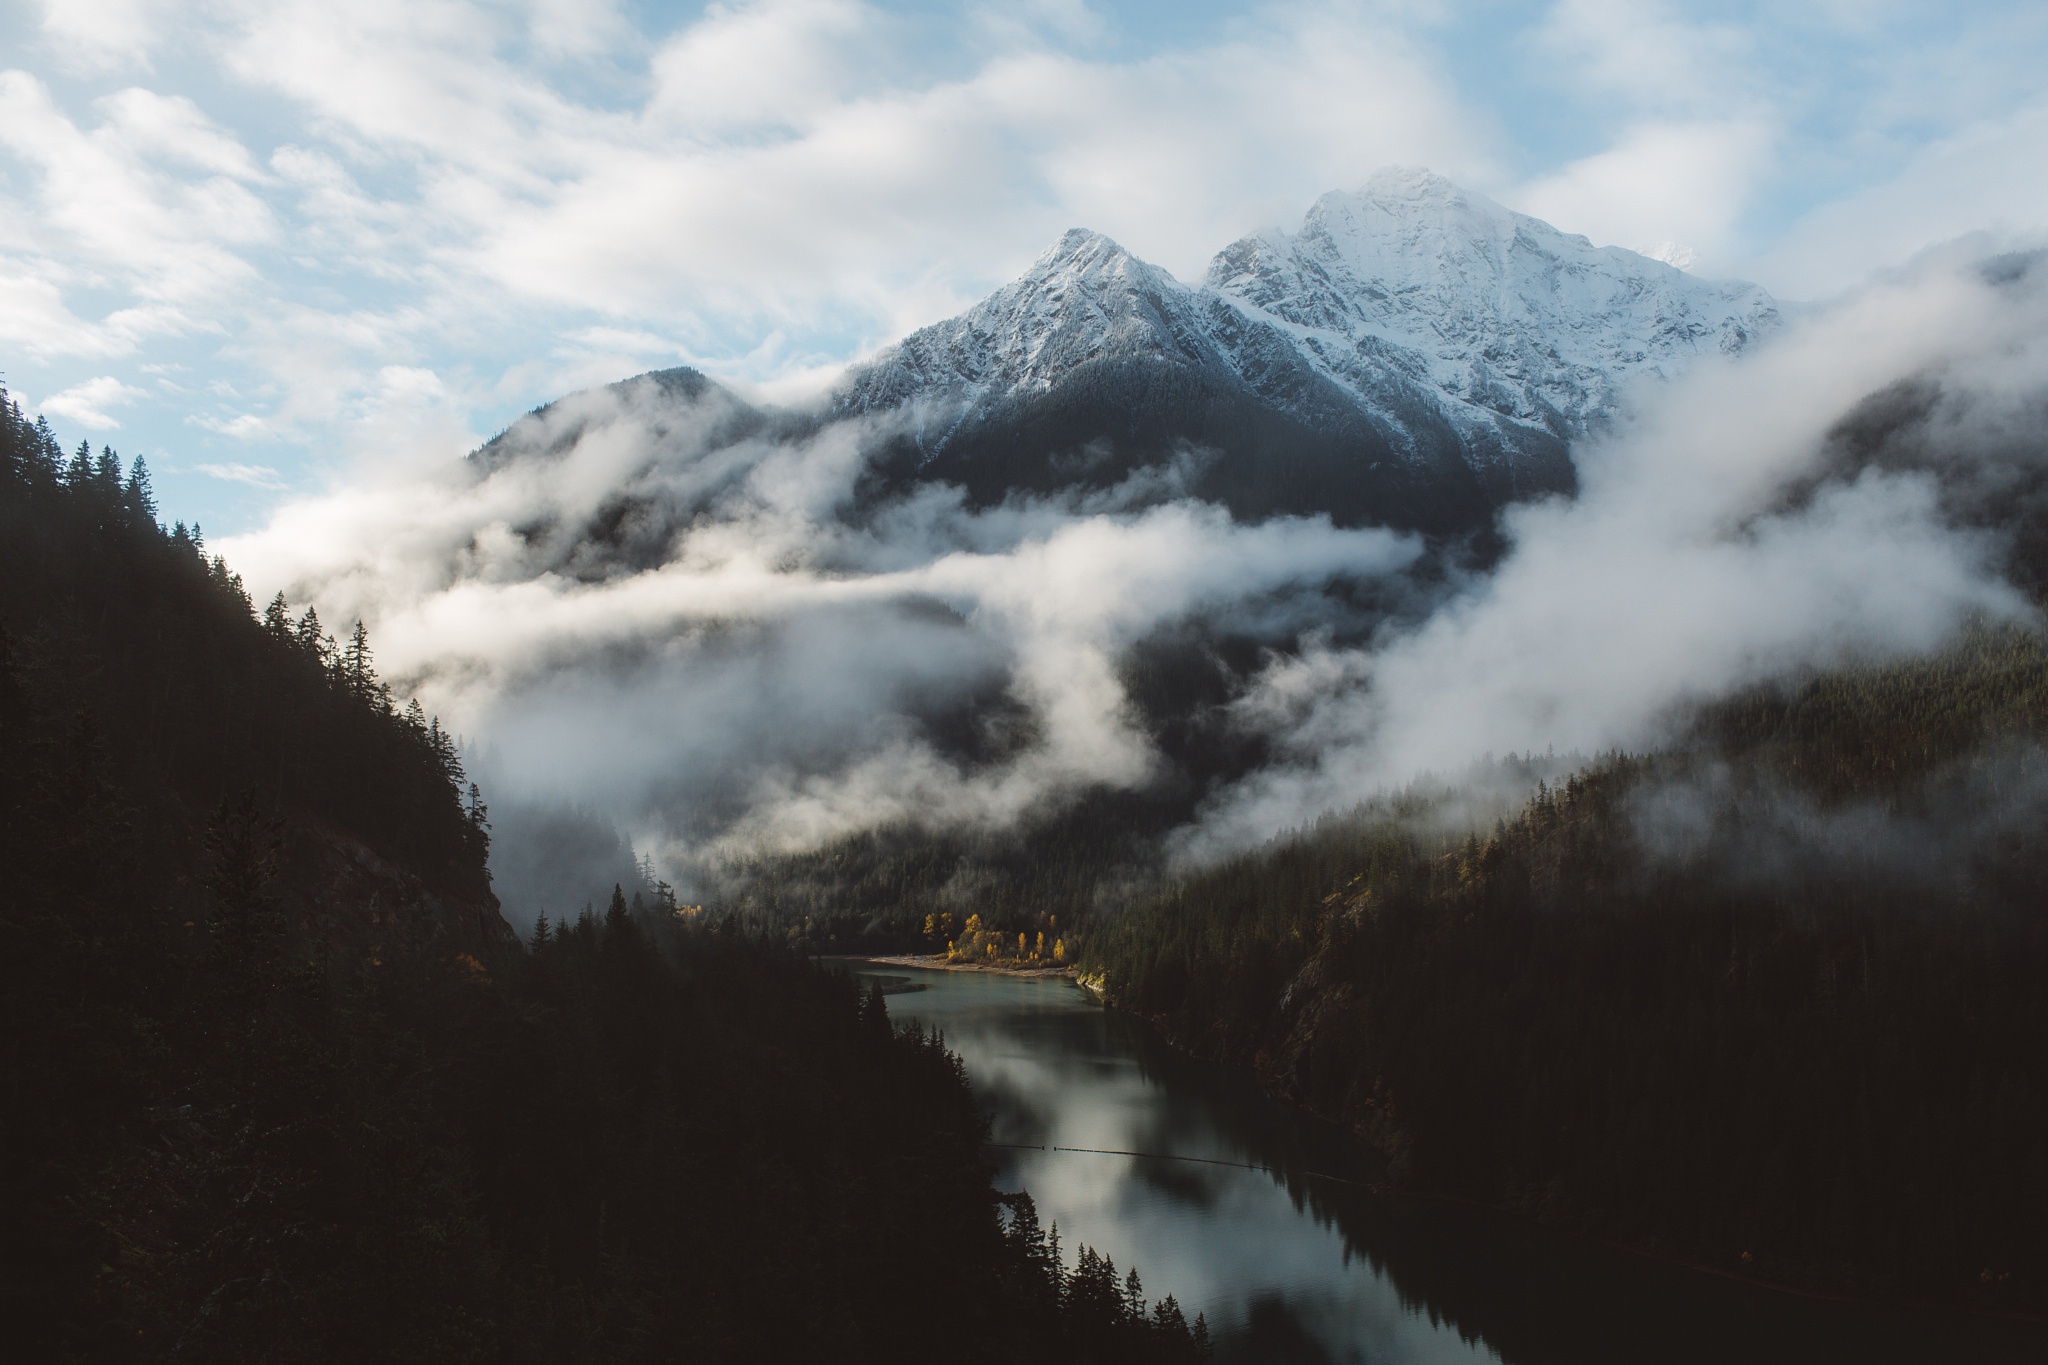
point(937, 963)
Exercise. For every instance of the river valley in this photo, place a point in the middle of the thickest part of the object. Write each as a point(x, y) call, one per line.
point(1292, 1256)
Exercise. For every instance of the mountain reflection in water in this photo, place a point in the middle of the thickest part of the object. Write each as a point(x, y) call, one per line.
point(1292, 1267)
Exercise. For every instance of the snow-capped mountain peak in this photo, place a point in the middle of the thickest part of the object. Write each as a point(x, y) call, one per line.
point(1085, 299)
point(1410, 331)
point(1498, 307)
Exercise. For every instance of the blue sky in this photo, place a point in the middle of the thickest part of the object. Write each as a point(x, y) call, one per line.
point(278, 245)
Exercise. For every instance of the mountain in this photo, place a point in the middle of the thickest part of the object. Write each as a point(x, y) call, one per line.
point(1415, 355)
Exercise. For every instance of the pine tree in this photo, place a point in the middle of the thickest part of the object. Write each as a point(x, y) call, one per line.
point(543, 934)
point(224, 578)
point(277, 619)
point(317, 646)
point(358, 675)
point(874, 1016)
point(14, 439)
point(106, 474)
point(50, 454)
point(140, 494)
point(78, 474)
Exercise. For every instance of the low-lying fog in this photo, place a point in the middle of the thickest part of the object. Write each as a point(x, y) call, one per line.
point(650, 619)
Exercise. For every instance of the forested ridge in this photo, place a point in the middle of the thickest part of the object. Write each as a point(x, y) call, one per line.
point(156, 647)
point(1770, 1000)
point(278, 1084)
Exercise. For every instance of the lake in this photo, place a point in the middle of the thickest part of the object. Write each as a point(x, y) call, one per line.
point(1300, 1261)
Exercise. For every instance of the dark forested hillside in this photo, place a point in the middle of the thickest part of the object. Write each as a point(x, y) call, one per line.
point(141, 635)
point(277, 1084)
point(1771, 1001)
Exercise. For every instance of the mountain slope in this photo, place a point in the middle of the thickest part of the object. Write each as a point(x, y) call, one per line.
point(1415, 355)
point(1500, 312)
point(1767, 1000)
point(271, 1097)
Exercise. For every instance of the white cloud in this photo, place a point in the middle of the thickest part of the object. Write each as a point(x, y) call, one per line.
point(35, 320)
point(762, 682)
point(87, 403)
point(243, 426)
point(254, 475)
point(784, 64)
point(157, 128)
point(575, 28)
point(95, 35)
point(1992, 177)
point(1649, 53)
point(772, 174)
point(1678, 189)
point(111, 201)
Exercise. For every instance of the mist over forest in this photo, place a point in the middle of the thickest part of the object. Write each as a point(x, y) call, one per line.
point(714, 628)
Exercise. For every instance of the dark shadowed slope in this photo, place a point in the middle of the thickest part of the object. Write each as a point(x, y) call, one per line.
point(276, 1084)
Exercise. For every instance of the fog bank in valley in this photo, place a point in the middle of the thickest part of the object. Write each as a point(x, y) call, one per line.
point(675, 615)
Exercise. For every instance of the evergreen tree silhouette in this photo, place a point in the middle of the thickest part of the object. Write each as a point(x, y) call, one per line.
point(139, 495)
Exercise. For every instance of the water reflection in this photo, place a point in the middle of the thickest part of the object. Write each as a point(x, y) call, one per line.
point(1290, 1267)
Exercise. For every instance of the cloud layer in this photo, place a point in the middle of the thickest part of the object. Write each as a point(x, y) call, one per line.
point(776, 677)
point(668, 611)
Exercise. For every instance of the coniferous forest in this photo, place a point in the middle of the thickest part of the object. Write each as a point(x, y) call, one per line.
point(1770, 1001)
point(278, 1083)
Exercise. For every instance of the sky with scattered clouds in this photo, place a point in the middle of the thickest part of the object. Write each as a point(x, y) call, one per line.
point(272, 243)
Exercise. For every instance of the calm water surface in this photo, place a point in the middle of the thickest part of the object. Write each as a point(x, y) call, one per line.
point(1292, 1266)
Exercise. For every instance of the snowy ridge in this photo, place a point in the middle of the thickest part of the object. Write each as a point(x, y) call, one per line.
point(1427, 308)
point(1491, 307)
point(1084, 299)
